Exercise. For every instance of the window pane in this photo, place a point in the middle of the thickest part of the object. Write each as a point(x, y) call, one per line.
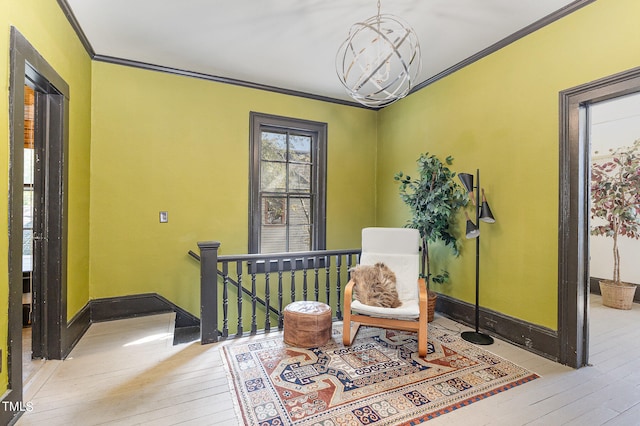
point(28, 166)
point(27, 209)
point(27, 241)
point(300, 238)
point(273, 176)
point(300, 211)
point(274, 146)
point(274, 211)
point(300, 148)
point(27, 250)
point(273, 239)
point(300, 177)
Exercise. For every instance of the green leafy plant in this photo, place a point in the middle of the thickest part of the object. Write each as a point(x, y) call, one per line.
point(615, 198)
point(433, 197)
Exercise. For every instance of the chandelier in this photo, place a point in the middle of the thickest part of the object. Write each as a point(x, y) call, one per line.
point(380, 60)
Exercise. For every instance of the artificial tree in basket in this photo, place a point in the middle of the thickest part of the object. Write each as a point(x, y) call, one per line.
point(433, 197)
point(615, 209)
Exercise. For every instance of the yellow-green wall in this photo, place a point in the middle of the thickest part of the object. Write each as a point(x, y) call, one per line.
point(500, 115)
point(143, 141)
point(179, 144)
point(47, 29)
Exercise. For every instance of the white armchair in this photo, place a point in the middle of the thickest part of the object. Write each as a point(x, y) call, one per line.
point(398, 249)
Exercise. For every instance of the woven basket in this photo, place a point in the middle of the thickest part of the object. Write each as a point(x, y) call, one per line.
point(431, 305)
point(617, 296)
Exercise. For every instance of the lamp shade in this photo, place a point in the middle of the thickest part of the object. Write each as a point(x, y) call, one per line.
point(472, 230)
point(467, 181)
point(485, 212)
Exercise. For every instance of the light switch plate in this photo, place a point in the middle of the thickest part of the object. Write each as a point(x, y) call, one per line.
point(164, 217)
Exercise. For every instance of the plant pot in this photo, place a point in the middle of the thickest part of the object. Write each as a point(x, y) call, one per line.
point(618, 296)
point(432, 296)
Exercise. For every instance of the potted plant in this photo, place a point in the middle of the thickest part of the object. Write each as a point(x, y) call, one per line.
point(433, 197)
point(615, 211)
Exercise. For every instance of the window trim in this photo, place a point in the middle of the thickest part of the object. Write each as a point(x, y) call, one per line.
point(257, 121)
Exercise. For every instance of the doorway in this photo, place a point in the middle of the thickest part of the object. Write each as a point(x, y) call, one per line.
point(32, 213)
point(38, 98)
point(612, 124)
point(573, 239)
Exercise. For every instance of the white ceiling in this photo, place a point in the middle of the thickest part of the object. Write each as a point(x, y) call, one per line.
point(291, 44)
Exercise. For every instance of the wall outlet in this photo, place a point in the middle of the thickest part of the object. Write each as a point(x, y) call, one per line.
point(164, 217)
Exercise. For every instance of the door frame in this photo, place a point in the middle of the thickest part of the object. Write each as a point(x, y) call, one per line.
point(573, 240)
point(26, 62)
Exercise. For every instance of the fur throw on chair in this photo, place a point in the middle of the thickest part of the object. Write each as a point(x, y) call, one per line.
point(375, 285)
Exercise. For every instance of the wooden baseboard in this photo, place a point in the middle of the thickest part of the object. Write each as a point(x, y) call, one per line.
point(120, 307)
point(76, 329)
point(534, 338)
point(114, 308)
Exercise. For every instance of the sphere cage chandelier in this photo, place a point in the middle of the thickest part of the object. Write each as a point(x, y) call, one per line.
point(379, 62)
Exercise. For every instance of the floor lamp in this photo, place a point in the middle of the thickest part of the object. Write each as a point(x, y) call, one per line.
point(483, 213)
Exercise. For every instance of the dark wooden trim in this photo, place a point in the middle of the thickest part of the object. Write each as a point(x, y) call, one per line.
point(534, 338)
point(25, 61)
point(16, 130)
point(76, 328)
point(38, 331)
point(66, 9)
point(573, 221)
point(258, 121)
point(225, 80)
point(541, 23)
point(209, 332)
point(56, 217)
point(137, 305)
point(120, 307)
point(114, 308)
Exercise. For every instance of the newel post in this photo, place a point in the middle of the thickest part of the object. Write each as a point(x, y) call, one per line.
point(208, 291)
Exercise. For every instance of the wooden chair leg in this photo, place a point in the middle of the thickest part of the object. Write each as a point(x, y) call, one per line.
point(346, 330)
point(349, 331)
point(422, 339)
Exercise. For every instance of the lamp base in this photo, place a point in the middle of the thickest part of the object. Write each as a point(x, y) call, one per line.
point(477, 338)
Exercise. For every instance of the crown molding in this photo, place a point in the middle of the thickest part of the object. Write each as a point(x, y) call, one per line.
point(560, 13)
point(224, 80)
point(541, 23)
point(66, 9)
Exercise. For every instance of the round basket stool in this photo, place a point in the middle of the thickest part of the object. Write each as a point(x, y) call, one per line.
point(307, 324)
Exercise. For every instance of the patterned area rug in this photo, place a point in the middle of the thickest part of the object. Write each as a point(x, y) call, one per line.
point(378, 380)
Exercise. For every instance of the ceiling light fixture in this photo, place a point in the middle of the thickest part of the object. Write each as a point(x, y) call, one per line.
point(380, 60)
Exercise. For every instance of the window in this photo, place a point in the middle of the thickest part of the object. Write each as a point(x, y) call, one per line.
point(28, 180)
point(288, 180)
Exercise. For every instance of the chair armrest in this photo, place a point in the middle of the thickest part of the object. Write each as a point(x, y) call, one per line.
point(422, 292)
point(348, 295)
point(423, 298)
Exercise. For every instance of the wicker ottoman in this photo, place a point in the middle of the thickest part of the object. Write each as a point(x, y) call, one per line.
point(307, 324)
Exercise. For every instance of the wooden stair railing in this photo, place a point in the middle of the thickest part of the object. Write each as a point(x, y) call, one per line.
point(266, 267)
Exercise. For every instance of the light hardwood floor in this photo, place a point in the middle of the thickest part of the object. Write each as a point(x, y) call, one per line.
point(29, 366)
point(127, 372)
